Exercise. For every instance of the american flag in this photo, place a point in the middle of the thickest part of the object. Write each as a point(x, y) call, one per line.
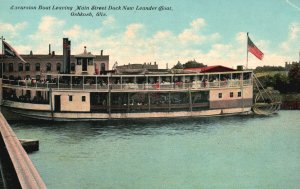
point(11, 52)
point(254, 50)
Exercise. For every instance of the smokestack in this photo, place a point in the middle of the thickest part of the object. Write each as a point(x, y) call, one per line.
point(49, 49)
point(101, 52)
point(66, 55)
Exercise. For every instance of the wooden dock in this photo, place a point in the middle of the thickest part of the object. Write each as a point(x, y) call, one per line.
point(22, 167)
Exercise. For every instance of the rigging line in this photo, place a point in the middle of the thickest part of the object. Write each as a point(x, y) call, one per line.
point(258, 88)
point(266, 91)
point(292, 5)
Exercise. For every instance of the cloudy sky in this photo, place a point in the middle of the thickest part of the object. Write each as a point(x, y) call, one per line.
point(210, 31)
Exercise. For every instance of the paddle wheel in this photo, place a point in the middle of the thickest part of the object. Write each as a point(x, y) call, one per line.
point(266, 101)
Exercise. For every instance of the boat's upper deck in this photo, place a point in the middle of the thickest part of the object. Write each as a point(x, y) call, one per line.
point(114, 82)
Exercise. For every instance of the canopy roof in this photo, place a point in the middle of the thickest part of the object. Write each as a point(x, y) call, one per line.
point(217, 68)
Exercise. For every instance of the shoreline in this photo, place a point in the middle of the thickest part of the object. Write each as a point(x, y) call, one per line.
point(290, 101)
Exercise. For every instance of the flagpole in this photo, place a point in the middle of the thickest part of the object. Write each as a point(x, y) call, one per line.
point(247, 50)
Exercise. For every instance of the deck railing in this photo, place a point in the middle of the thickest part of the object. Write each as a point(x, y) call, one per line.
point(27, 175)
point(128, 86)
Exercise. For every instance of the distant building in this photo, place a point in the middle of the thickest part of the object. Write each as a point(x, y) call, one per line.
point(38, 66)
point(289, 65)
point(136, 68)
point(139, 66)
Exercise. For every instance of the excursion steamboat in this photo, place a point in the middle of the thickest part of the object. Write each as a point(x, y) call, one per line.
point(80, 87)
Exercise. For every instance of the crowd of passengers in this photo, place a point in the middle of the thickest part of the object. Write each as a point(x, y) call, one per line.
point(11, 95)
point(104, 81)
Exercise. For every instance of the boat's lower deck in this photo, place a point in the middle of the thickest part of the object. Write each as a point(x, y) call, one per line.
point(17, 113)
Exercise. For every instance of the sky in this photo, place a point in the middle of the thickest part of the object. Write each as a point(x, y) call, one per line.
point(213, 32)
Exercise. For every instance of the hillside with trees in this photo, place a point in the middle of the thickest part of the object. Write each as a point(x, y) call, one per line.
point(260, 69)
point(285, 83)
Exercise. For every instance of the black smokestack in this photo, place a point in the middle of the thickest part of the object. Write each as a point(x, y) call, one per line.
point(49, 49)
point(66, 55)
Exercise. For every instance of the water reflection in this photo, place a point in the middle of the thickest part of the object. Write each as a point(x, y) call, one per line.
point(126, 128)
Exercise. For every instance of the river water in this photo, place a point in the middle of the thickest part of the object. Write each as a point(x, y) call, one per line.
point(220, 152)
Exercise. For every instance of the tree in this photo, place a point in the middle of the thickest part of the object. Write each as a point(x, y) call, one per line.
point(281, 83)
point(294, 77)
point(268, 68)
point(189, 64)
point(178, 66)
point(193, 64)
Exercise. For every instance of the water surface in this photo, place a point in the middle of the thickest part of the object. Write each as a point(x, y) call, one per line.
point(219, 152)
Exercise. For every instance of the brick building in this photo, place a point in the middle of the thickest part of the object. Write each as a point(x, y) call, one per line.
point(39, 65)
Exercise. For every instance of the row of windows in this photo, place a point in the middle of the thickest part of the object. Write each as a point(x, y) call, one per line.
point(37, 67)
point(239, 94)
point(71, 98)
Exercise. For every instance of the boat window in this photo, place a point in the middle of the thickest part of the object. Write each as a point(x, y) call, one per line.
point(90, 61)
point(220, 95)
point(239, 94)
point(231, 94)
point(236, 76)
point(84, 64)
point(225, 77)
point(79, 61)
point(70, 98)
point(83, 98)
point(199, 97)
point(247, 75)
point(102, 67)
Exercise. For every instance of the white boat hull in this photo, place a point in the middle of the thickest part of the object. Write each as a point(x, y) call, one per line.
point(17, 114)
